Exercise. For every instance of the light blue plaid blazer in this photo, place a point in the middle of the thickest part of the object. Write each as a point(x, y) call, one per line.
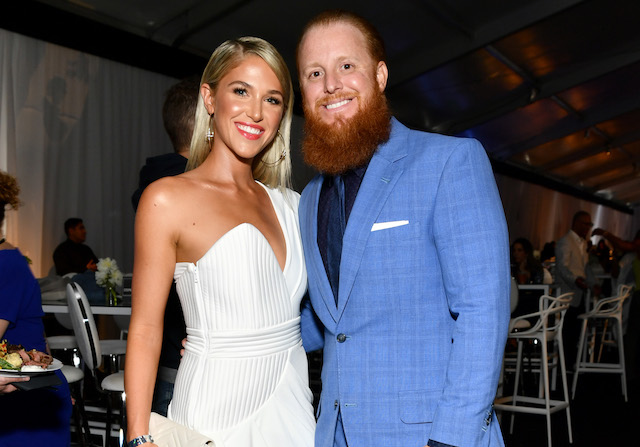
point(413, 350)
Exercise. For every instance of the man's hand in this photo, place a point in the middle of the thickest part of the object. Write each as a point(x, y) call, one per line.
point(581, 282)
point(91, 265)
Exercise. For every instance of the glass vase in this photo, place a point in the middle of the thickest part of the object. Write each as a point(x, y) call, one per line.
point(110, 295)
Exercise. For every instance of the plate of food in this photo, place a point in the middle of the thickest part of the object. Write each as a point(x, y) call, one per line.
point(15, 359)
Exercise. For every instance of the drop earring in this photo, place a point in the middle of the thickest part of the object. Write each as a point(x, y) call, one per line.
point(282, 156)
point(209, 135)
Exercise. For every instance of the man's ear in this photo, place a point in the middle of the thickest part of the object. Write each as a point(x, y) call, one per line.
point(382, 74)
point(207, 96)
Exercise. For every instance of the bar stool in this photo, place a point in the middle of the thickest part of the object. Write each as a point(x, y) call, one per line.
point(606, 311)
point(545, 330)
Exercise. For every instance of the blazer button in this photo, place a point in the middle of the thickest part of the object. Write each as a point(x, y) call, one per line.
point(341, 338)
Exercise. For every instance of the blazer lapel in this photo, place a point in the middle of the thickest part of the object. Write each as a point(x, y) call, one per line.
point(382, 174)
point(315, 266)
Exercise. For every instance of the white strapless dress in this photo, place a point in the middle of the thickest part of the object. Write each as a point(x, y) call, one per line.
point(243, 379)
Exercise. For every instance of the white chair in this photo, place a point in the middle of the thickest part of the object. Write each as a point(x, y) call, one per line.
point(66, 346)
point(75, 377)
point(520, 324)
point(606, 311)
point(86, 333)
point(509, 361)
point(547, 329)
point(53, 289)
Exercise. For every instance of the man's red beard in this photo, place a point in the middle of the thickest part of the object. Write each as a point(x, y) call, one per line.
point(347, 143)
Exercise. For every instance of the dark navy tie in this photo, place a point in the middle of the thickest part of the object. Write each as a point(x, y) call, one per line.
point(335, 231)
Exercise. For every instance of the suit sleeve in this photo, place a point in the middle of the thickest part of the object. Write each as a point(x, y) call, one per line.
point(310, 327)
point(471, 239)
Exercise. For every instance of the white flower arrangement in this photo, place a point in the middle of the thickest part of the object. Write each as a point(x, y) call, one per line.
point(108, 273)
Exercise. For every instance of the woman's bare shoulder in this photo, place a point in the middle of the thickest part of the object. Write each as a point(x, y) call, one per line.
point(167, 191)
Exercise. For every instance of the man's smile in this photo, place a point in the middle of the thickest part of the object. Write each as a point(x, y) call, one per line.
point(337, 104)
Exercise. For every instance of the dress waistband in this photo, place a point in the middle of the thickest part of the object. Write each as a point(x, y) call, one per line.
point(238, 344)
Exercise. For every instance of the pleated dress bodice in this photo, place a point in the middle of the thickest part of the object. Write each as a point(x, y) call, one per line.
point(243, 378)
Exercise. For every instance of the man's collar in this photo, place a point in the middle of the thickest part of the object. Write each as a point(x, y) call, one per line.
point(576, 236)
point(361, 170)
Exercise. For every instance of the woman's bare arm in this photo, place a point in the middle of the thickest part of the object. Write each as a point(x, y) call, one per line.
point(154, 263)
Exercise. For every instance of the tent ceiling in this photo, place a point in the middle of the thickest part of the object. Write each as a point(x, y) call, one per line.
point(548, 86)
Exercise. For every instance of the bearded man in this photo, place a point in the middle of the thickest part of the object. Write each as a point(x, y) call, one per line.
point(407, 255)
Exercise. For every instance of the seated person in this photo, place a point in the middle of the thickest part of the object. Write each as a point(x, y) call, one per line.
point(73, 256)
point(526, 269)
point(524, 266)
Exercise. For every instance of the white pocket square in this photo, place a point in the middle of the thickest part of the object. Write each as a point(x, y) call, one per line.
point(386, 225)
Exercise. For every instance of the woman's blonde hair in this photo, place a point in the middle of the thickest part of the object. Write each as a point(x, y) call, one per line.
point(269, 167)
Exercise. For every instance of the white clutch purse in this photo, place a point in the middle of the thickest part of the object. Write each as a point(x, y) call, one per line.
point(167, 433)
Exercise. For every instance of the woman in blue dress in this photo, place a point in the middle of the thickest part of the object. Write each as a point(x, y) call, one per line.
point(38, 416)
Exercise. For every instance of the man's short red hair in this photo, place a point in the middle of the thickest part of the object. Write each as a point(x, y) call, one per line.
point(371, 35)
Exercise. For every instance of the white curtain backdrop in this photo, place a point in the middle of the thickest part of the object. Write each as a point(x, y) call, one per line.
point(75, 130)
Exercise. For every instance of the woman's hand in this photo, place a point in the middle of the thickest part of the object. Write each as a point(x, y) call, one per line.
point(6, 383)
point(184, 343)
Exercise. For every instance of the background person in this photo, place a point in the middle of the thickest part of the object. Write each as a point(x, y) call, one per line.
point(72, 255)
point(618, 243)
point(571, 276)
point(525, 267)
point(572, 257)
point(527, 270)
point(178, 116)
point(39, 416)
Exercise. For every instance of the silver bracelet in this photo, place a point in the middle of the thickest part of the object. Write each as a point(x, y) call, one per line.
point(140, 440)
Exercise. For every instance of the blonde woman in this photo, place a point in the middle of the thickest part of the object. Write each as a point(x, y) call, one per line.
point(227, 232)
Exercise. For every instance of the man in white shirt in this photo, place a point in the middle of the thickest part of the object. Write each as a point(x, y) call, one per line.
point(572, 257)
point(571, 260)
